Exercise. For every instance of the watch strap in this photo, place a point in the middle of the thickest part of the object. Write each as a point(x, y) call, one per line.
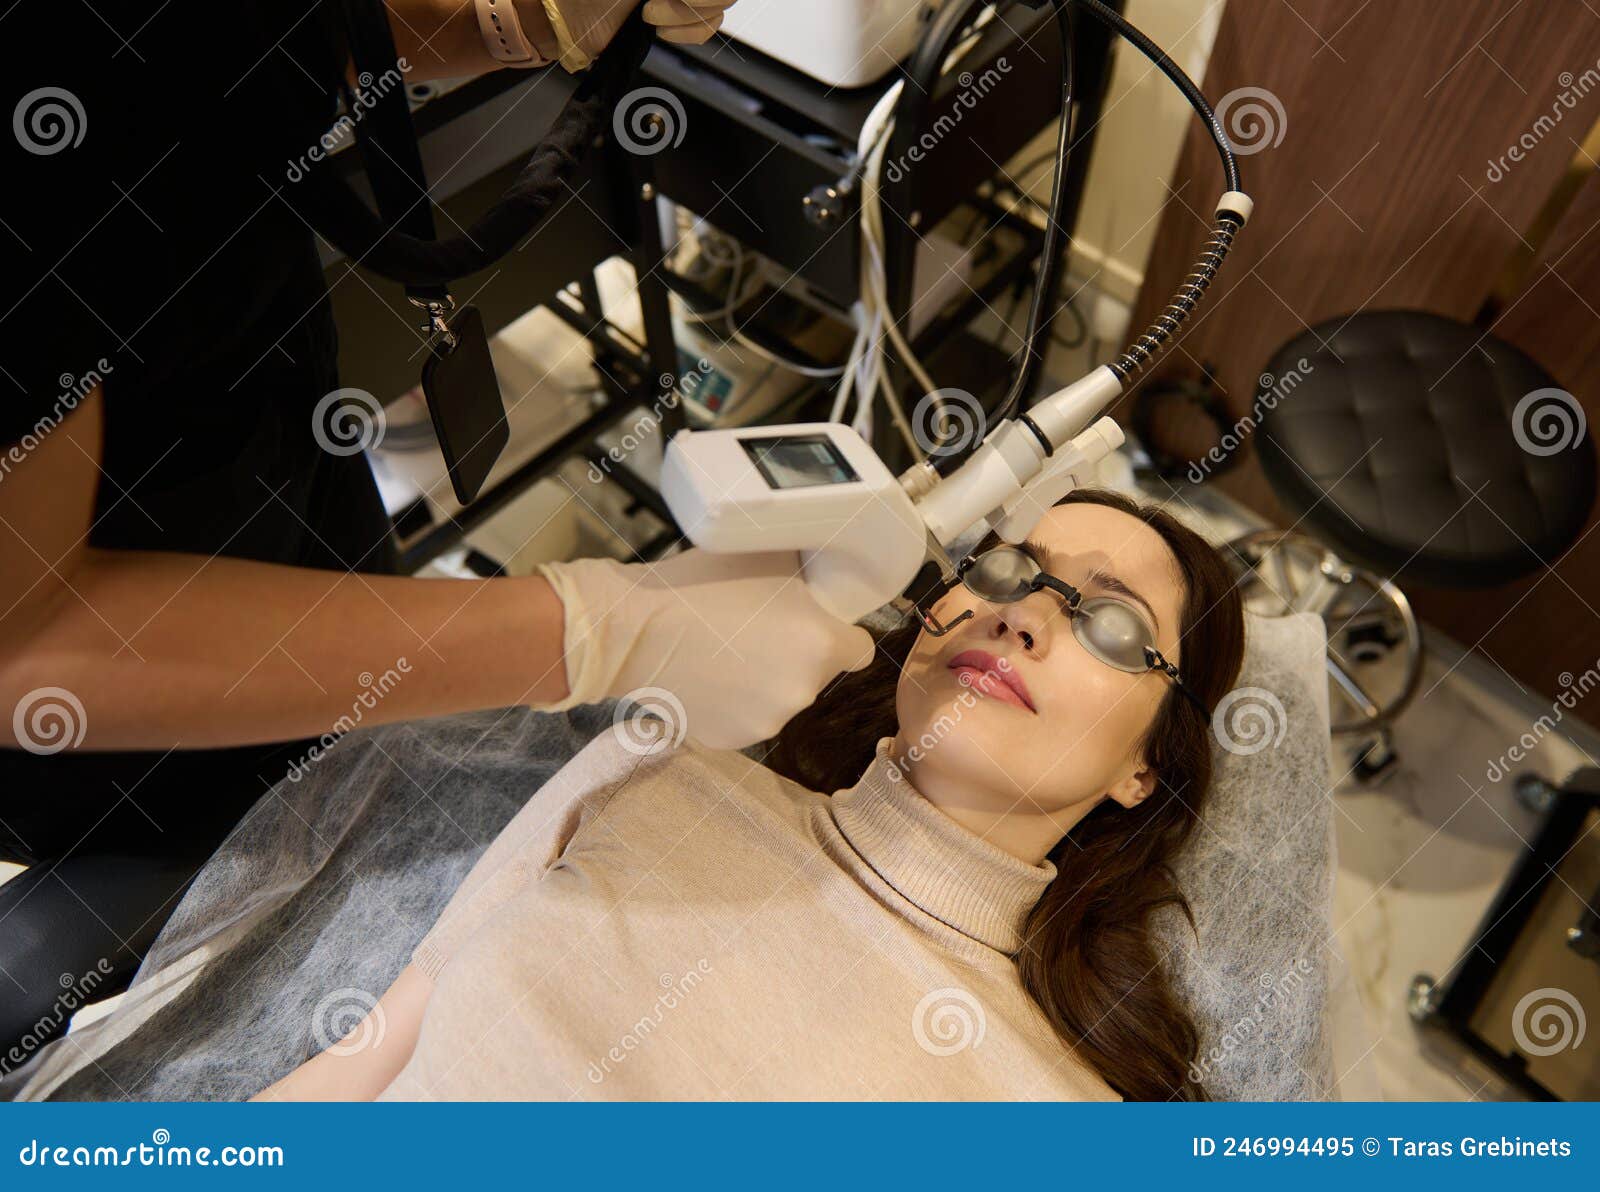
point(503, 36)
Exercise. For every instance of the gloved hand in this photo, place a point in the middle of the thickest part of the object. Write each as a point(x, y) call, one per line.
point(585, 27)
point(737, 639)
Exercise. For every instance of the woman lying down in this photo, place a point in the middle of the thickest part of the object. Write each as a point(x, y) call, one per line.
point(967, 915)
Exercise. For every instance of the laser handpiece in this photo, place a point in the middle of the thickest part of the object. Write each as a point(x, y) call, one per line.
point(864, 534)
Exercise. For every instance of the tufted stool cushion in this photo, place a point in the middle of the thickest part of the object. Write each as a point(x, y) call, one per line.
point(1390, 434)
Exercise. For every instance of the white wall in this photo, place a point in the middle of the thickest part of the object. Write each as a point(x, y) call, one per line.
point(1141, 130)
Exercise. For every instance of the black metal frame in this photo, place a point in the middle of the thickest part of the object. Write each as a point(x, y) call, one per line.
point(747, 113)
point(1454, 1003)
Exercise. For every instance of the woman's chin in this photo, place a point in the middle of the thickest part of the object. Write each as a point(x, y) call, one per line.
point(968, 756)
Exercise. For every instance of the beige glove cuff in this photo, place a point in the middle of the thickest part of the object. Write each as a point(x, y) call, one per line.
point(590, 669)
point(573, 57)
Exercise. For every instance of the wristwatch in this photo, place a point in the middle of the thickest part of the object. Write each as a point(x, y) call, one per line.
point(503, 35)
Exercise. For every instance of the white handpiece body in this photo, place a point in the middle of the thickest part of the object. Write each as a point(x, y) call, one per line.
point(819, 489)
point(1069, 467)
point(814, 487)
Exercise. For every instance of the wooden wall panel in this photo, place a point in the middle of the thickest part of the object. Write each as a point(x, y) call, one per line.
point(1555, 315)
point(1549, 624)
point(1388, 183)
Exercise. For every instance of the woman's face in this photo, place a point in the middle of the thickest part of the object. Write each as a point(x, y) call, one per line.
point(1071, 737)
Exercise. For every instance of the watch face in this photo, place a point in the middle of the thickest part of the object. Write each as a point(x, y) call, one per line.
point(799, 461)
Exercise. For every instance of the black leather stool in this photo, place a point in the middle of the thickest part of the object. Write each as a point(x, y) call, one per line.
point(1407, 446)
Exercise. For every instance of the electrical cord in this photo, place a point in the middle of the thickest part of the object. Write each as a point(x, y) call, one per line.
point(1040, 322)
point(1228, 221)
point(872, 221)
point(1082, 336)
point(951, 33)
point(864, 373)
point(876, 322)
point(1197, 100)
point(744, 283)
point(1017, 187)
point(1225, 227)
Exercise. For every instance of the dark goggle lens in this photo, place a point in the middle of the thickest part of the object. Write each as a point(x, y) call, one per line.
point(1003, 575)
point(1113, 633)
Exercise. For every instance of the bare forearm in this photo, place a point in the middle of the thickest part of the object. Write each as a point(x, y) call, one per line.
point(365, 1062)
point(177, 650)
point(440, 38)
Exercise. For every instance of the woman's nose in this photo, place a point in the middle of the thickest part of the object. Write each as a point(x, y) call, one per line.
point(1032, 621)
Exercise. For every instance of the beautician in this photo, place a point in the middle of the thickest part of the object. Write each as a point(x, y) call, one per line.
point(190, 586)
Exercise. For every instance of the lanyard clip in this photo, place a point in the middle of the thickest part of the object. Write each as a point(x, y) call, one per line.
point(438, 323)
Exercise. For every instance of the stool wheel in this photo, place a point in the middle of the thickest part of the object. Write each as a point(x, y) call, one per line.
point(1374, 639)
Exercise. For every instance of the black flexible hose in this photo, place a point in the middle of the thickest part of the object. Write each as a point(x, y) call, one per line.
point(1166, 324)
point(909, 120)
point(910, 116)
point(1036, 339)
point(350, 225)
point(1197, 100)
point(1224, 228)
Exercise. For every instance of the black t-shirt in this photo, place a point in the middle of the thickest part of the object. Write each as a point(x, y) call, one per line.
point(146, 241)
point(143, 239)
point(151, 240)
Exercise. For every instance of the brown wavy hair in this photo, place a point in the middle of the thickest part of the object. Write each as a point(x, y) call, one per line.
point(1089, 958)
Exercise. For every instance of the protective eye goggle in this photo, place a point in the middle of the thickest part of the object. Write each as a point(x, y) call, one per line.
point(1113, 631)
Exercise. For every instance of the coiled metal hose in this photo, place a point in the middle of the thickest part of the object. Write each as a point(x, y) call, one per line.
point(1153, 340)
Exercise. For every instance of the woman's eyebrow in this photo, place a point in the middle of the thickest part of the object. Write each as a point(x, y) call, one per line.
point(1111, 583)
point(1105, 580)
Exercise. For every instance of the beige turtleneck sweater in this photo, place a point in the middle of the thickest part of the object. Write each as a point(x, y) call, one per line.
point(685, 924)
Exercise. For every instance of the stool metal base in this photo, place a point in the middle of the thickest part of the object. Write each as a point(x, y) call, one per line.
point(1282, 572)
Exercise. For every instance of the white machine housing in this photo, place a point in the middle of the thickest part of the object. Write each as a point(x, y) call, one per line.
point(845, 43)
point(859, 535)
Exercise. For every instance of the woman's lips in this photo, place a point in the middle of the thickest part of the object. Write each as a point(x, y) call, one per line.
point(992, 676)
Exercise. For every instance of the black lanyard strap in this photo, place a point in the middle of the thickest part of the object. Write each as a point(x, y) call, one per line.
point(397, 241)
point(385, 136)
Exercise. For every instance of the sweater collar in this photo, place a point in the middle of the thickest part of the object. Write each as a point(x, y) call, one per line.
point(959, 878)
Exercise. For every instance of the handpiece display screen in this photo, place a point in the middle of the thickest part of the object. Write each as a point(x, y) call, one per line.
point(799, 461)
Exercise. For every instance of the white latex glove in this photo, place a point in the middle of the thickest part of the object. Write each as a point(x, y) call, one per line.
point(737, 639)
point(585, 27)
